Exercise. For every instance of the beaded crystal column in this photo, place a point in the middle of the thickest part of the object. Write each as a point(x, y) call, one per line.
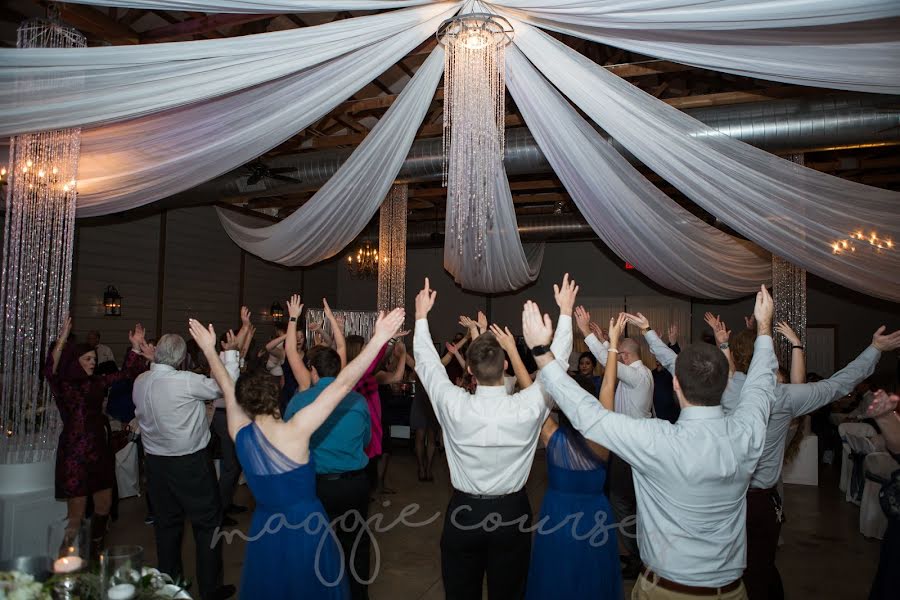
point(38, 235)
point(392, 249)
point(474, 122)
point(789, 295)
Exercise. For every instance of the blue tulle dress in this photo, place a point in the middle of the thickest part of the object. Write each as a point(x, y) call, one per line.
point(574, 558)
point(292, 552)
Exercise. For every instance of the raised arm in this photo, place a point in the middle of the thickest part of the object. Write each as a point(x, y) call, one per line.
point(136, 361)
point(206, 340)
point(798, 355)
point(61, 341)
point(565, 295)
point(663, 353)
point(608, 387)
point(883, 409)
point(807, 397)
point(295, 361)
point(275, 346)
point(453, 350)
point(758, 391)
point(508, 343)
point(337, 328)
point(722, 335)
point(593, 335)
point(472, 331)
point(308, 419)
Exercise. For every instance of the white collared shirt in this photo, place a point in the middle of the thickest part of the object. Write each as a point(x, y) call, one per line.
point(491, 435)
point(690, 477)
point(634, 393)
point(104, 354)
point(170, 407)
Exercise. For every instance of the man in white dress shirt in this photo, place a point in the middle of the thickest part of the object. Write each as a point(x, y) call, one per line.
point(104, 354)
point(634, 397)
point(692, 476)
point(171, 413)
point(490, 438)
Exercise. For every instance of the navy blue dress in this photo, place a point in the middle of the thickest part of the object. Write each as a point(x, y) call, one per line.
point(572, 556)
point(292, 552)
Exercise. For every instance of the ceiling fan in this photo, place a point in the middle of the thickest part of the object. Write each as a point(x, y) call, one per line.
point(259, 171)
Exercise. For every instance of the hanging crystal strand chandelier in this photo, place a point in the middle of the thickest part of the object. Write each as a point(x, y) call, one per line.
point(38, 237)
point(474, 121)
point(392, 249)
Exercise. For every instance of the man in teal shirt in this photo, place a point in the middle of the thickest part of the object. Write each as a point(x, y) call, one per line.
point(338, 454)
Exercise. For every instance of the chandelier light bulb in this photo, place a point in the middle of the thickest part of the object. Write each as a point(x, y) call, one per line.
point(28, 163)
point(55, 171)
point(3, 172)
point(41, 173)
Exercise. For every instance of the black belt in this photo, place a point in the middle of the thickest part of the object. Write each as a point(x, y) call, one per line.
point(486, 496)
point(344, 475)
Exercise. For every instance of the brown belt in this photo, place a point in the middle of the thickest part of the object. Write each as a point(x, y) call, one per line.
point(674, 586)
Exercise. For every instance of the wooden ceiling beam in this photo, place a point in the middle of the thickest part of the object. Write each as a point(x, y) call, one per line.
point(201, 25)
point(98, 24)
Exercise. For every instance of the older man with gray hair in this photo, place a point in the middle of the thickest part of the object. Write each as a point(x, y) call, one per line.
point(171, 413)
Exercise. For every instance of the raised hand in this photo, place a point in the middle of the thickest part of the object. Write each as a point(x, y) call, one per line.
point(505, 338)
point(294, 306)
point(231, 342)
point(328, 314)
point(616, 329)
point(452, 348)
point(205, 337)
point(340, 322)
point(784, 329)
point(750, 322)
point(711, 320)
point(763, 311)
point(466, 322)
point(638, 320)
point(673, 334)
point(888, 342)
point(399, 349)
point(403, 333)
point(882, 404)
point(389, 324)
point(583, 321)
point(245, 316)
point(538, 330)
point(565, 295)
point(598, 333)
point(425, 301)
point(482, 322)
point(136, 337)
point(148, 351)
point(315, 326)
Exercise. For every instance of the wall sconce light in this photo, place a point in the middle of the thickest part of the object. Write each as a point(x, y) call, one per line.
point(112, 302)
point(277, 312)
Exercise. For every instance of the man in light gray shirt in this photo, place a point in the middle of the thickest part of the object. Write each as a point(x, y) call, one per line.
point(792, 400)
point(171, 413)
point(691, 477)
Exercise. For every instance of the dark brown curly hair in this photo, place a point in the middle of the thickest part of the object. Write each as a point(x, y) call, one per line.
point(257, 394)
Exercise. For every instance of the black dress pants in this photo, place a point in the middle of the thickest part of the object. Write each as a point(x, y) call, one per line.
point(474, 544)
point(623, 502)
point(345, 497)
point(186, 486)
point(761, 577)
point(229, 468)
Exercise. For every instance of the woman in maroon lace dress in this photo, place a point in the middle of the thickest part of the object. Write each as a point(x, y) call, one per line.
point(85, 464)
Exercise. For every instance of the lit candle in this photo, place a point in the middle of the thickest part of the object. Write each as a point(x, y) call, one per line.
point(122, 591)
point(67, 564)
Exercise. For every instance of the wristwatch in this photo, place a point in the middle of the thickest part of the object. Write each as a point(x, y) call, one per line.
point(646, 330)
point(723, 346)
point(293, 319)
point(540, 350)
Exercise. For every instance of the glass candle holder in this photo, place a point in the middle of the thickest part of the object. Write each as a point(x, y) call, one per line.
point(120, 571)
point(68, 546)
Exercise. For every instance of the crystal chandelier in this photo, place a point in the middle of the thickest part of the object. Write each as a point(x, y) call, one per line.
point(474, 120)
point(392, 249)
point(364, 263)
point(38, 236)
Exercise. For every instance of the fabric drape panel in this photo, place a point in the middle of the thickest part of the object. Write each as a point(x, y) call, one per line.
point(256, 6)
point(54, 88)
point(708, 15)
point(859, 56)
point(787, 209)
point(339, 211)
point(506, 264)
point(640, 223)
point(135, 162)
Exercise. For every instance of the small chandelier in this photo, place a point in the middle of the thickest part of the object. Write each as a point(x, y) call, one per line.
point(363, 264)
point(474, 122)
point(112, 302)
point(276, 312)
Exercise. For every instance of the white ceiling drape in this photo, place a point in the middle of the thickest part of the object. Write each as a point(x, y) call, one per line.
point(132, 163)
point(631, 215)
point(789, 210)
point(52, 88)
point(339, 211)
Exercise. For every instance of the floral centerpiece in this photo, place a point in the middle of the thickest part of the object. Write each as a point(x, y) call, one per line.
point(152, 585)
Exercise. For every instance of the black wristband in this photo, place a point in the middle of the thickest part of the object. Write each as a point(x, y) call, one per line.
point(540, 350)
point(293, 319)
point(797, 348)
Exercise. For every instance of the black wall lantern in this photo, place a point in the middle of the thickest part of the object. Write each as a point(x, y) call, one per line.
point(277, 312)
point(112, 302)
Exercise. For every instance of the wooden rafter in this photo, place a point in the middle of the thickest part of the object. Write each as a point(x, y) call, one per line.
point(199, 25)
point(98, 24)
